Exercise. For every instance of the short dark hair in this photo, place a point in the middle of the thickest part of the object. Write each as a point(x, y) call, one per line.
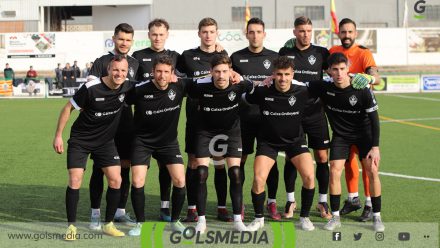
point(163, 59)
point(220, 59)
point(207, 21)
point(346, 21)
point(254, 20)
point(158, 22)
point(302, 20)
point(283, 62)
point(337, 58)
point(125, 28)
point(117, 58)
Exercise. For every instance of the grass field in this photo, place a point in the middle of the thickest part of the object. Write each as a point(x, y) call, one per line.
point(33, 177)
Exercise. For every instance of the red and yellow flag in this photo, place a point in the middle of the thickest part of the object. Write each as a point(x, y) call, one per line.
point(247, 12)
point(335, 27)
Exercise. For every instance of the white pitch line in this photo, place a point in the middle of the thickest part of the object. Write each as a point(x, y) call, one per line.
point(393, 174)
point(416, 97)
point(412, 119)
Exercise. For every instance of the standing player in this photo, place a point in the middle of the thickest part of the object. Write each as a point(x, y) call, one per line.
point(282, 106)
point(100, 102)
point(354, 121)
point(123, 39)
point(157, 33)
point(310, 62)
point(196, 63)
point(361, 61)
point(218, 121)
point(255, 62)
point(157, 102)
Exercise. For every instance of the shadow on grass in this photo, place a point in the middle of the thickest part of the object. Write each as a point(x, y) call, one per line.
point(29, 203)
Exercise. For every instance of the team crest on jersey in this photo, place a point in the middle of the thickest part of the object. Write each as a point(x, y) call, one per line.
point(292, 100)
point(232, 96)
point(353, 100)
point(171, 95)
point(131, 71)
point(266, 64)
point(312, 59)
point(121, 97)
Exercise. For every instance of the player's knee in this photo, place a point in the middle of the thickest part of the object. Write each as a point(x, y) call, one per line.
point(202, 172)
point(138, 182)
point(234, 175)
point(335, 172)
point(258, 184)
point(179, 182)
point(75, 182)
point(321, 158)
point(115, 182)
point(308, 180)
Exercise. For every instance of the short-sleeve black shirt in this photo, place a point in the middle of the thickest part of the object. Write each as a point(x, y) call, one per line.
point(100, 113)
point(146, 58)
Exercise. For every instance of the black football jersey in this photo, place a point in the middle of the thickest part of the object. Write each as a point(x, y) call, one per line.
point(146, 57)
point(100, 108)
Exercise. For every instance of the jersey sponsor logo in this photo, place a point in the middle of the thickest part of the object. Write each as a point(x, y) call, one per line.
point(148, 96)
point(207, 95)
point(353, 100)
point(330, 93)
point(178, 156)
point(326, 141)
point(312, 59)
point(266, 64)
point(304, 146)
point(265, 112)
point(232, 96)
point(244, 60)
point(100, 114)
point(196, 58)
point(147, 59)
point(292, 100)
point(131, 71)
point(146, 74)
point(100, 99)
point(160, 111)
point(116, 157)
point(208, 109)
point(171, 95)
point(291, 57)
point(121, 97)
point(270, 99)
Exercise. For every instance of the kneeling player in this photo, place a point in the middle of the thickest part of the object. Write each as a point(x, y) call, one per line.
point(157, 110)
point(281, 106)
point(354, 121)
point(100, 102)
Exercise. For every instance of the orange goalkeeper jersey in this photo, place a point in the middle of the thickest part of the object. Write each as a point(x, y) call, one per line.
point(360, 58)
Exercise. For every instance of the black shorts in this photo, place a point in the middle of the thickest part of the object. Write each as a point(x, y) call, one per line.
point(165, 153)
point(124, 134)
point(340, 147)
point(249, 131)
point(291, 150)
point(191, 123)
point(316, 128)
point(219, 144)
point(104, 156)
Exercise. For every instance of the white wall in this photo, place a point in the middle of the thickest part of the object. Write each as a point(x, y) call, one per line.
point(392, 46)
point(107, 17)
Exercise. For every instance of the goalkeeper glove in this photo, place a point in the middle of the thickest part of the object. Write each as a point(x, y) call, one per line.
point(361, 80)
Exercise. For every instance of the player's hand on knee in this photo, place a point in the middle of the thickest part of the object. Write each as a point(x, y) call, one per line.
point(58, 145)
point(374, 155)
